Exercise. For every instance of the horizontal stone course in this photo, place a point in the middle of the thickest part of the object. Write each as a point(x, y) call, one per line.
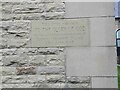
point(8, 71)
point(14, 43)
point(16, 26)
point(16, 85)
point(58, 60)
point(15, 60)
point(37, 60)
point(55, 79)
point(27, 1)
point(51, 70)
point(14, 79)
point(32, 51)
point(36, 79)
point(32, 10)
point(46, 70)
point(44, 81)
point(24, 8)
point(33, 16)
point(78, 85)
point(26, 71)
point(77, 80)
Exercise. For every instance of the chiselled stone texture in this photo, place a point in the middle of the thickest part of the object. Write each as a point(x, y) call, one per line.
point(14, 79)
point(32, 51)
point(16, 85)
point(6, 71)
point(32, 67)
point(25, 57)
point(15, 34)
point(78, 82)
point(41, 1)
point(32, 10)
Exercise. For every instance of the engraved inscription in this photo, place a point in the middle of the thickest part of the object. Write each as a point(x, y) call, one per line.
point(60, 33)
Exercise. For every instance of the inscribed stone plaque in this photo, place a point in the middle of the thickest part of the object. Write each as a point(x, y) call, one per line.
point(60, 33)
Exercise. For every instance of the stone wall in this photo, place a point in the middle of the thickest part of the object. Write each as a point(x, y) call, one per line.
point(23, 66)
point(32, 67)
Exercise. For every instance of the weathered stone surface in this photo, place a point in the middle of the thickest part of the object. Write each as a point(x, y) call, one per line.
point(1, 63)
point(15, 27)
point(16, 85)
point(14, 79)
point(8, 71)
point(51, 70)
point(26, 70)
point(55, 78)
point(86, 85)
point(25, 8)
point(37, 60)
point(32, 51)
point(36, 79)
point(20, 63)
point(28, 1)
point(38, 85)
point(76, 80)
point(15, 60)
point(32, 11)
point(6, 52)
point(34, 16)
point(15, 34)
point(53, 60)
point(15, 43)
point(50, 51)
point(56, 85)
point(0, 73)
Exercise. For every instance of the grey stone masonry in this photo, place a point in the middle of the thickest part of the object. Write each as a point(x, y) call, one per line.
point(32, 10)
point(28, 67)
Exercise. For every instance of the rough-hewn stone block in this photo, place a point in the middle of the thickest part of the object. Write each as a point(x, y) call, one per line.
point(15, 60)
point(14, 27)
point(38, 85)
point(55, 79)
point(32, 51)
point(15, 34)
point(20, 63)
point(25, 8)
point(37, 60)
point(16, 85)
point(86, 85)
point(32, 11)
point(7, 52)
point(34, 16)
point(14, 79)
point(78, 80)
point(56, 85)
point(51, 70)
point(26, 70)
point(36, 79)
point(8, 71)
point(15, 43)
point(41, 1)
point(53, 60)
